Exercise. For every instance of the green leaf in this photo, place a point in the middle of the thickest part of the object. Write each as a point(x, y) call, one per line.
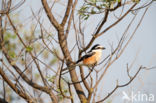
point(9, 36)
point(45, 54)
point(29, 49)
point(53, 61)
point(92, 11)
point(119, 1)
point(51, 79)
point(13, 36)
point(12, 54)
point(93, 1)
point(136, 1)
point(86, 17)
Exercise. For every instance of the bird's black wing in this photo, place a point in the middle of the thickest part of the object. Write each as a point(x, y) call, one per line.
point(89, 54)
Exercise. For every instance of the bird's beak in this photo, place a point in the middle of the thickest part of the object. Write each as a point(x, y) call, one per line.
point(103, 48)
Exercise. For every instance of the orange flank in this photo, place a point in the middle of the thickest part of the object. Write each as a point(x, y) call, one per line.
point(93, 59)
point(89, 61)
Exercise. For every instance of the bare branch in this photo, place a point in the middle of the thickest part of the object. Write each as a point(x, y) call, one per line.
point(19, 92)
point(99, 34)
point(50, 15)
point(119, 86)
point(3, 100)
point(67, 12)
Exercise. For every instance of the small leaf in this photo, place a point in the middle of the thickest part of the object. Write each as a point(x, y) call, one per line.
point(46, 54)
point(12, 54)
point(84, 101)
point(65, 91)
point(53, 61)
point(92, 11)
point(91, 89)
point(13, 62)
point(37, 75)
point(29, 49)
point(71, 97)
point(136, 1)
point(13, 36)
point(51, 79)
point(86, 17)
point(119, 1)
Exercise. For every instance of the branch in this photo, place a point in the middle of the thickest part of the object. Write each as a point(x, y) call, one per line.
point(33, 57)
point(85, 82)
point(67, 12)
point(3, 101)
point(64, 48)
point(6, 10)
point(121, 51)
point(60, 87)
point(9, 8)
point(143, 6)
point(70, 18)
point(131, 79)
point(50, 15)
point(24, 77)
point(97, 31)
point(96, 35)
point(13, 86)
point(119, 86)
point(70, 92)
point(4, 76)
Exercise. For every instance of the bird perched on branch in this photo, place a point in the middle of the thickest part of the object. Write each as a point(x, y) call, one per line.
point(93, 56)
point(90, 59)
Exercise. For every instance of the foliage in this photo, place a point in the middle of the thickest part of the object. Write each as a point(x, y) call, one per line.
point(29, 49)
point(91, 7)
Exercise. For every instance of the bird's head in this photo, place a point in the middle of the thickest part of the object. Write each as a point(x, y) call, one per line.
point(97, 47)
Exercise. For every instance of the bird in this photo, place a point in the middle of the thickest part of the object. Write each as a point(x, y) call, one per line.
point(90, 59)
point(93, 56)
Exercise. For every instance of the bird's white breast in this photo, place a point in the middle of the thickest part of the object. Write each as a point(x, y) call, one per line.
point(98, 55)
